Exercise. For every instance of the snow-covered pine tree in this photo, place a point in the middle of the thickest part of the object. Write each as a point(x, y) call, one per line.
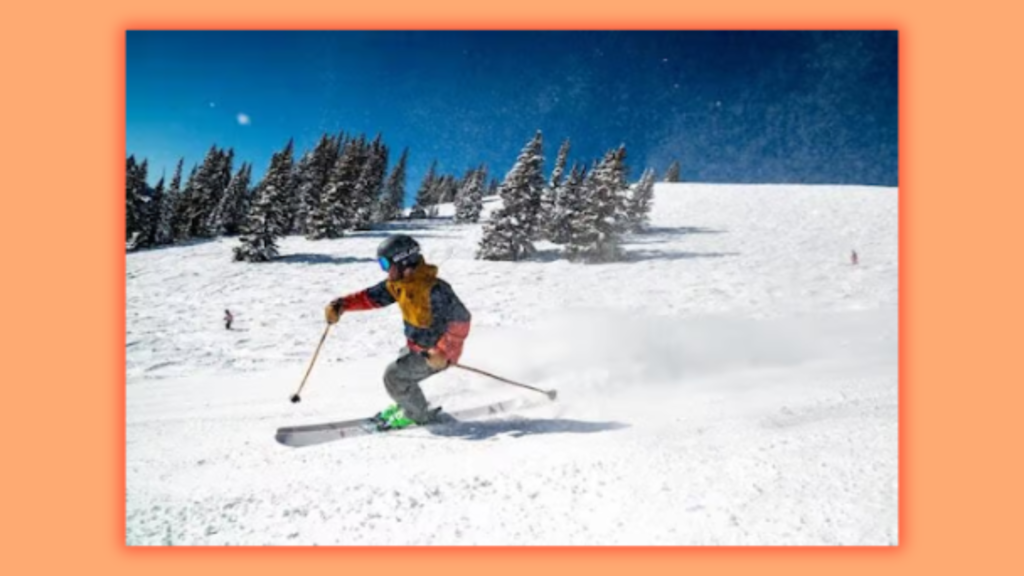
point(135, 197)
point(231, 212)
point(293, 202)
point(313, 181)
point(596, 231)
point(460, 183)
point(460, 197)
point(570, 201)
point(336, 209)
point(470, 200)
point(360, 151)
point(424, 196)
point(444, 192)
point(536, 185)
point(267, 218)
point(183, 208)
point(449, 189)
point(484, 174)
point(221, 178)
point(560, 162)
point(223, 174)
point(303, 182)
point(638, 207)
point(617, 176)
point(507, 235)
point(151, 212)
point(390, 206)
point(205, 195)
point(131, 216)
point(370, 183)
point(164, 227)
point(672, 174)
point(549, 196)
point(211, 182)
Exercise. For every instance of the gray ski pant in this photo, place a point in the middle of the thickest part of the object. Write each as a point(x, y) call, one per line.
point(402, 380)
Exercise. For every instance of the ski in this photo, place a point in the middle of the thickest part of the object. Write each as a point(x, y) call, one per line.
point(309, 435)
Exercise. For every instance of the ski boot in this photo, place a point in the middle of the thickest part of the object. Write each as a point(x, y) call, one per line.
point(392, 418)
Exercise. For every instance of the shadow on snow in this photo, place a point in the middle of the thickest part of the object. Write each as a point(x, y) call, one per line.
point(554, 255)
point(678, 230)
point(319, 259)
point(519, 427)
point(643, 255)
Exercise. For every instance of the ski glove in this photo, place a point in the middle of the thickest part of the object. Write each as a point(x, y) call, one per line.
point(436, 359)
point(333, 311)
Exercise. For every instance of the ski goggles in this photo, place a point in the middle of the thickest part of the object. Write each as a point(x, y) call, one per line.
point(385, 263)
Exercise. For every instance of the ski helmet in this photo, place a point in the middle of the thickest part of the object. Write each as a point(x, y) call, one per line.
point(398, 250)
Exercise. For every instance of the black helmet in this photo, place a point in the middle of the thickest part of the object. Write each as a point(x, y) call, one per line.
point(399, 250)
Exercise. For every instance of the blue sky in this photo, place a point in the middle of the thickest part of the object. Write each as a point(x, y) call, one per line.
point(801, 107)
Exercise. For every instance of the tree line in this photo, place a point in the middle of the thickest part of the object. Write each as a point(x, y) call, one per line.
point(343, 184)
point(586, 210)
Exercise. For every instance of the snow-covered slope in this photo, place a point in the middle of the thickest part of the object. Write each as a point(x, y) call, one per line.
point(733, 382)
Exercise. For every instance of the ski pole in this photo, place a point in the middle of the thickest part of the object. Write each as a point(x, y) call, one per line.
point(296, 398)
point(549, 393)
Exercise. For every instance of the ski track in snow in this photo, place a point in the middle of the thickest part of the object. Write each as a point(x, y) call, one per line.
point(733, 382)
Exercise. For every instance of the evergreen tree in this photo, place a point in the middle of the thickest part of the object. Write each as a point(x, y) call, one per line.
point(267, 218)
point(535, 193)
point(448, 189)
point(639, 206)
point(371, 182)
point(198, 203)
point(208, 191)
point(152, 212)
point(460, 183)
point(183, 208)
point(560, 161)
point(507, 236)
point(618, 183)
point(222, 175)
point(549, 197)
point(569, 205)
point(292, 202)
point(596, 231)
point(313, 180)
point(672, 174)
point(204, 196)
point(231, 212)
point(470, 200)
point(135, 197)
point(303, 182)
point(444, 192)
point(393, 196)
point(424, 196)
point(164, 228)
point(336, 210)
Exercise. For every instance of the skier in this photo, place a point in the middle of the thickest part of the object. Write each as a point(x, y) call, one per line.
point(228, 319)
point(436, 325)
point(853, 258)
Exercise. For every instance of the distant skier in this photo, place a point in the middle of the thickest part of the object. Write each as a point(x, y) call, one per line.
point(228, 319)
point(436, 325)
point(853, 258)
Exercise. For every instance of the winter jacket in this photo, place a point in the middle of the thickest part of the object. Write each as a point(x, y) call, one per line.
point(434, 316)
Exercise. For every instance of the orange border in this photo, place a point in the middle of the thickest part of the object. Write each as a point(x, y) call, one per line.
point(63, 492)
